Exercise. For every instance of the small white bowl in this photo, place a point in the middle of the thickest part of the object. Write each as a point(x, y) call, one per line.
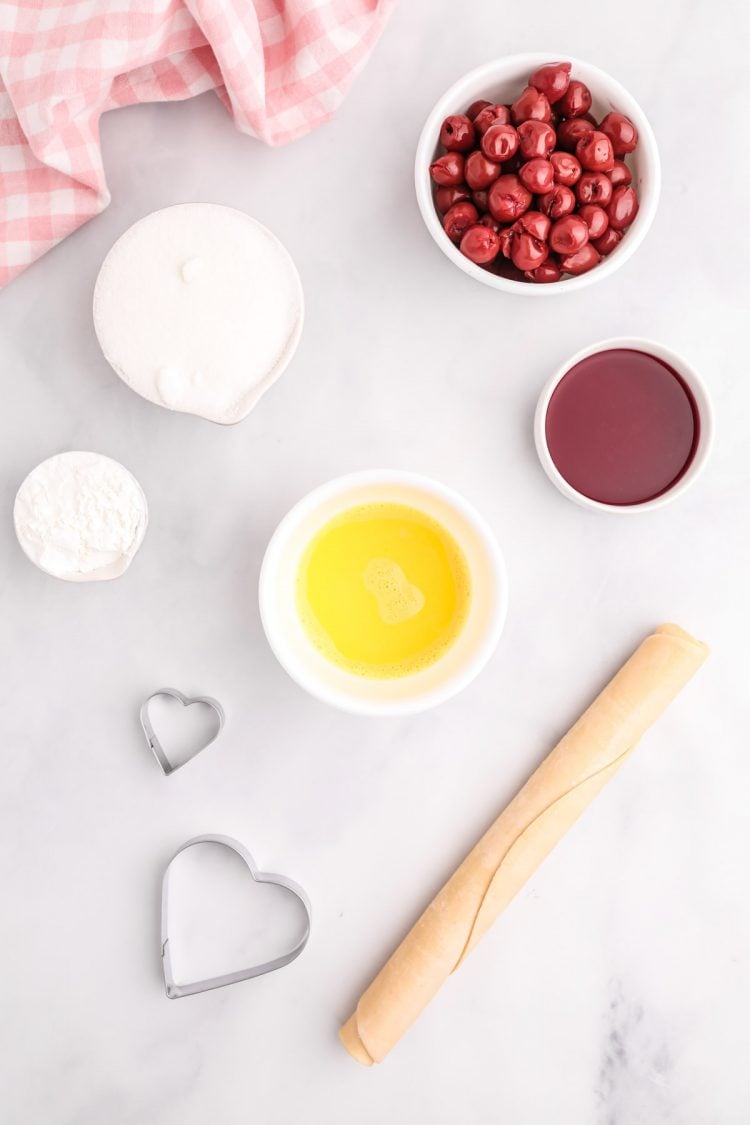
point(404, 695)
point(502, 81)
point(60, 493)
point(693, 382)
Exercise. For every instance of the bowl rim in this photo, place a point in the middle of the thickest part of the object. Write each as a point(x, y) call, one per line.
point(648, 198)
point(335, 697)
point(705, 412)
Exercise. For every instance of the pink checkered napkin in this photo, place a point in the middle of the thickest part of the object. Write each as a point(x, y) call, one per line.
point(281, 67)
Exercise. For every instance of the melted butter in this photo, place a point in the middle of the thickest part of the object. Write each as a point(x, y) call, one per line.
point(383, 590)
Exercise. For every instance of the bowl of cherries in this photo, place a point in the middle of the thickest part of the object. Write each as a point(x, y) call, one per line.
point(537, 175)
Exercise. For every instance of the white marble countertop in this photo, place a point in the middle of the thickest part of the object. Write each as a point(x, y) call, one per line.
point(615, 989)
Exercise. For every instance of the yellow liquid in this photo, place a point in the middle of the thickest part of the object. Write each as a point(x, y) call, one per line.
point(383, 590)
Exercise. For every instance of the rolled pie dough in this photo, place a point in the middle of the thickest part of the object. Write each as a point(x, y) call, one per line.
point(522, 836)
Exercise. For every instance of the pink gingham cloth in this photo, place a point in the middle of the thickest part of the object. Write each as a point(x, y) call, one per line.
point(281, 67)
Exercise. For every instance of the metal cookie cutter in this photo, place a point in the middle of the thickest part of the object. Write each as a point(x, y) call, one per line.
point(174, 990)
point(186, 701)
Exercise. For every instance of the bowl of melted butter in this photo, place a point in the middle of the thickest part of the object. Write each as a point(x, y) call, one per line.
point(383, 593)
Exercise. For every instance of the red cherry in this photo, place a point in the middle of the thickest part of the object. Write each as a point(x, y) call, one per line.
point(534, 222)
point(569, 133)
point(594, 187)
point(576, 100)
point(506, 235)
point(623, 207)
point(621, 132)
point(620, 174)
point(544, 274)
point(530, 105)
point(595, 218)
point(458, 220)
point(508, 198)
point(500, 142)
point(479, 171)
point(608, 241)
point(558, 202)
point(491, 115)
point(595, 152)
point(528, 252)
point(477, 107)
point(480, 244)
point(538, 176)
point(552, 80)
point(581, 261)
point(488, 221)
point(448, 170)
point(457, 133)
point(536, 138)
point(479, 199)
point(568, 234)
point(566, 168)
point(445, 197)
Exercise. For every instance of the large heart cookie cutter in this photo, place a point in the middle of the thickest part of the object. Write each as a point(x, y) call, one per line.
point(174, 990)
point(158, 750)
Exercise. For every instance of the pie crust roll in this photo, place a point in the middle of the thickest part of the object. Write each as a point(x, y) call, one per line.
point(522, 836)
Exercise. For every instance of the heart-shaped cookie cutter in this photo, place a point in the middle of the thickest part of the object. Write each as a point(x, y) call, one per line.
point(176, 991)
point(158, 750)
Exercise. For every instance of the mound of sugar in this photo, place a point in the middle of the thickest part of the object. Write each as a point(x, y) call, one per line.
point(199, 308)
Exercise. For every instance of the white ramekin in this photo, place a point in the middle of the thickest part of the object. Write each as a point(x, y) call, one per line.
point(705, 413)
point(502, 81)
point(407, 694)
point(112, 570)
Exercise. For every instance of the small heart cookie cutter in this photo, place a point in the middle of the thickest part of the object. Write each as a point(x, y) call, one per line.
point(176, 991)
point(157, 749)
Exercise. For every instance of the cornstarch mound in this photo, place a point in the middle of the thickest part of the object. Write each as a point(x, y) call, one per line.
point(80, 516)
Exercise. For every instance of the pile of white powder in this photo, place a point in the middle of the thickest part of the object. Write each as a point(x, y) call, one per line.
point(80, 516)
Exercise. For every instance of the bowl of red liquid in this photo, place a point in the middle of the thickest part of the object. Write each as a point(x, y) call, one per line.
point(624, 426)
point(501, 83)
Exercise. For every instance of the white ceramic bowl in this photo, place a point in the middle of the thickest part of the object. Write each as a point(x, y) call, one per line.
point(705, 413)
point(69, 484)
point(407, 694)
point(502, 81)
